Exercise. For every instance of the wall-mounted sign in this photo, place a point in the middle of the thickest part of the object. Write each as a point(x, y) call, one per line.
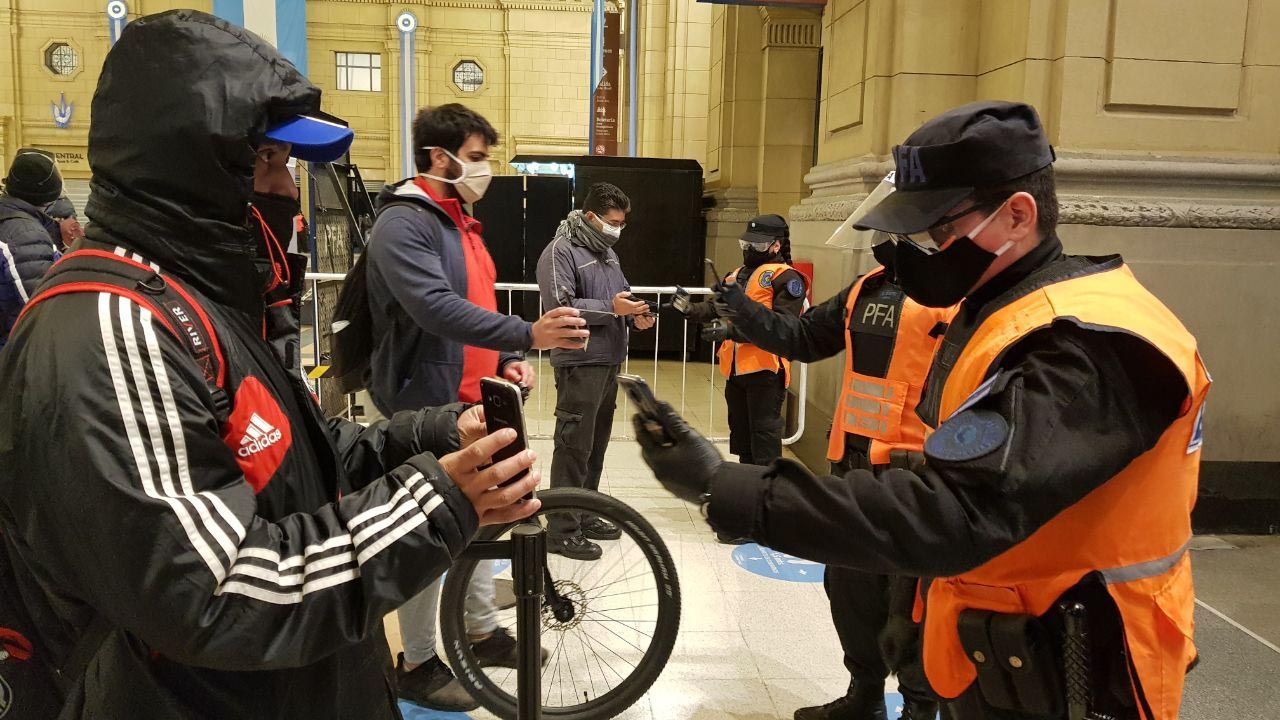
point(62, 111)
point(69, 157)
point(604, 92)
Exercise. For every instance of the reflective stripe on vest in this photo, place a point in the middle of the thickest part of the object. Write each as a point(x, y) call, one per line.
point(1133, 528)
point(745, 357)
point(884, 409)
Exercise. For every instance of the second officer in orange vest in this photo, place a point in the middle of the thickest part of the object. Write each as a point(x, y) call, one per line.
point(1054, 507)
point(755, 379)
point(888, 341)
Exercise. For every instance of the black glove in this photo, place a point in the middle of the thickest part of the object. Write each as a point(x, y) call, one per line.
point(729, 299)
point(681, 302)
point(716, 332)
point(682, 460)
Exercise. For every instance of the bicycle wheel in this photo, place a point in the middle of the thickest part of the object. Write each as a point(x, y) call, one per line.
point(609, 627)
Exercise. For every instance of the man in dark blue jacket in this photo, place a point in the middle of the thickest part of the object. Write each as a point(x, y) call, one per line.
point(27, 233)
point(436, 333)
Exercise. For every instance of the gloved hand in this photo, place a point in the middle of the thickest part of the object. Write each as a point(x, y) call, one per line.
point(729, 298)
point(716, 332)
point(682, 460)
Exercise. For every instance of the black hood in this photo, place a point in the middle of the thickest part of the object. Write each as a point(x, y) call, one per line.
point(181, 103)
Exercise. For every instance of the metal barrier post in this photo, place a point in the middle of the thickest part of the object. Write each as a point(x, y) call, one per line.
point(315, 335)
point(528, 567)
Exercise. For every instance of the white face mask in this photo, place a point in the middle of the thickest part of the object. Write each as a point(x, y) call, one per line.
point(472, 183)
point(611, 230)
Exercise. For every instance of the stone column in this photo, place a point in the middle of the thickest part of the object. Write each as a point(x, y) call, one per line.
point(788, 90)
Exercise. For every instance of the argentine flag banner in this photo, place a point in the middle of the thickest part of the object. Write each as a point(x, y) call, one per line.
point(282, 23)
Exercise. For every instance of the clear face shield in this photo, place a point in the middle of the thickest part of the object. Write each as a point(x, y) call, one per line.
point(849, 238)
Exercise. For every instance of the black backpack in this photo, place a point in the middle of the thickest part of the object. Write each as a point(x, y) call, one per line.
point(33, 682)
point(351, 345)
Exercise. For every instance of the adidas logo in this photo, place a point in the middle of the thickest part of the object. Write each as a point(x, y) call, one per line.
point(259, 436)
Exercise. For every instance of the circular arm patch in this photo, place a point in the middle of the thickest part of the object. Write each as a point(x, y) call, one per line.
point(967, 436)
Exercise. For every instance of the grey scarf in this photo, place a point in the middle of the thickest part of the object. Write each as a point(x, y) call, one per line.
point(578, 231)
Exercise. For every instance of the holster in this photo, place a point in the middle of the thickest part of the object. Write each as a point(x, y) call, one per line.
point(1018, 662)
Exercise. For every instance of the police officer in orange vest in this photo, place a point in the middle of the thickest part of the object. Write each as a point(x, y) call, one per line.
point(756, 380)
point(1053, 507)
point(889, 341)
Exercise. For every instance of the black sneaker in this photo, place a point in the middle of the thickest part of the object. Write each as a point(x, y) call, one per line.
point(499, 650)
point(849, 707)
point(432, 685)
point(729, 540)
point(600, 529)
point(575, 547)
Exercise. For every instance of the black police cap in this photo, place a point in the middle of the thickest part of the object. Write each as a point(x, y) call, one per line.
point(982, 144)
point(765, 229)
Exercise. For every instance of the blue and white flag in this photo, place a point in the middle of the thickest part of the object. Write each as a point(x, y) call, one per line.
point(282, 23)
point(117, 18)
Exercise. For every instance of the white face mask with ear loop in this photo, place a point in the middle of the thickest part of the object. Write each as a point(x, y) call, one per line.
point(474, 180)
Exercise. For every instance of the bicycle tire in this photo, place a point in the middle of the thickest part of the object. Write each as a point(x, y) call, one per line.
point(502, 703)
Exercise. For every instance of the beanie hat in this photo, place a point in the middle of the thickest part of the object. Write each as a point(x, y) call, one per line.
point(33, 177)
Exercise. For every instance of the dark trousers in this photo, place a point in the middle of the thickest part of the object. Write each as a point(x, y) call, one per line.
point(586, 396)
point(872, 615)
point(755, 416)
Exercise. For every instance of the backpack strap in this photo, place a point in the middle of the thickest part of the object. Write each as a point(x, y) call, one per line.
point(172, 304)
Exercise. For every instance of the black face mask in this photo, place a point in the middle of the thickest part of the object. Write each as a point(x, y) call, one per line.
point(274, 215)
point(940, 279)
point(756, 258)
point(278, 212)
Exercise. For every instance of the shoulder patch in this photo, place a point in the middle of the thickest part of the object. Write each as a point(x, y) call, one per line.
point(967, 436)
point(795, 287)
point(766, 279)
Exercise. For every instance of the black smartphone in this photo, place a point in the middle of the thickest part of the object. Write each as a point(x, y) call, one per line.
point(638, 390)
point(652, 304)
point(504, 408)
point(645, 401)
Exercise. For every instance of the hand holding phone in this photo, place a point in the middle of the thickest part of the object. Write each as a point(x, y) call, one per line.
point(646, 404)
point(497, 499)
point(504, 409)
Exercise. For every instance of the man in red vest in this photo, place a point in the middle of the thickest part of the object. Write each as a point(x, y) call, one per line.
point(1053, 508)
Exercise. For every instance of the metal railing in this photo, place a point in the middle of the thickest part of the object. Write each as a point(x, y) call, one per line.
point(316, 278)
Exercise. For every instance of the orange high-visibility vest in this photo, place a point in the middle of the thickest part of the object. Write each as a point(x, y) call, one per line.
point(747, 357)
point(884, 409)
point(1133, 529)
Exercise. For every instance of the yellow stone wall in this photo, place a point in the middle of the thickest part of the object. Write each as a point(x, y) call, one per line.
point(535, 54)
point(675, 78)
point(28, 88)
point(1165, 115)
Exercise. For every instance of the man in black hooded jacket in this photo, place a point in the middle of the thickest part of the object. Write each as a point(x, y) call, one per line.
point(244, 567)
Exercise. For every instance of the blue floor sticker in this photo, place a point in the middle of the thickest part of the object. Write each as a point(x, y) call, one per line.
point(892, 702)
point(417, 712)
point(767, 562)
point(500, 566)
